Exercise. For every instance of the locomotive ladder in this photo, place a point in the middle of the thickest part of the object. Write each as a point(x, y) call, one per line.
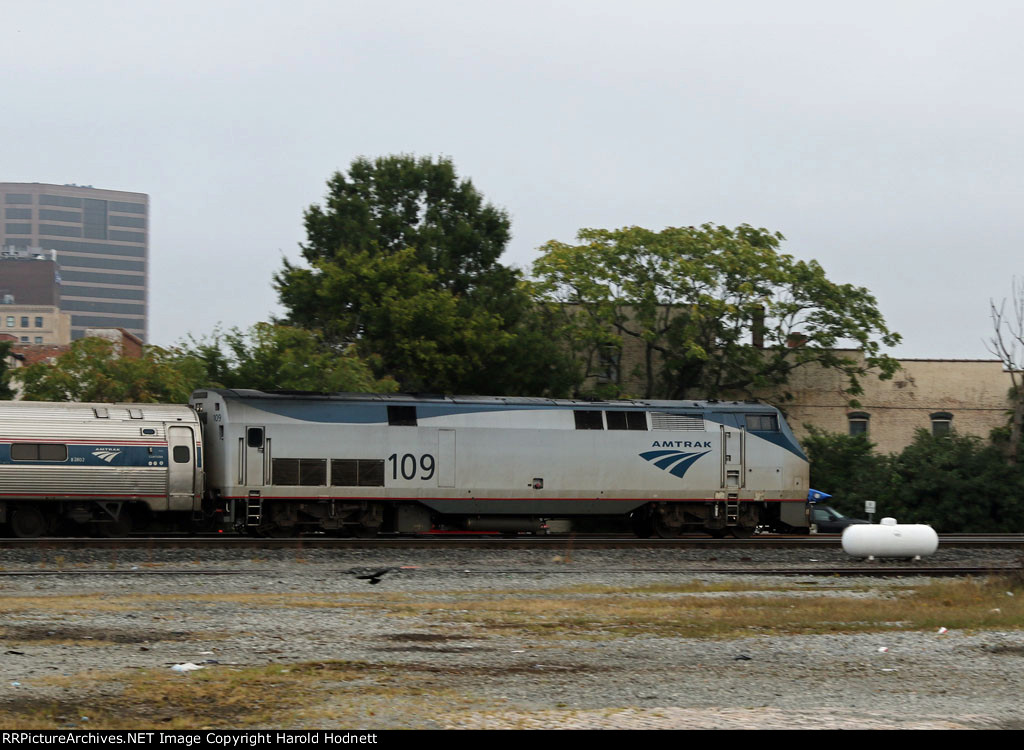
point(254, 511)
point(732, 512)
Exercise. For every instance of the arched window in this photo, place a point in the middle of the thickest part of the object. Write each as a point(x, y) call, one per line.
point(942, 423)
point(858, 422)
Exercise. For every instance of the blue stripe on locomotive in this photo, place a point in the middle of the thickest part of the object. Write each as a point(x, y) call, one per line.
point(98, 454)
point(346, 412)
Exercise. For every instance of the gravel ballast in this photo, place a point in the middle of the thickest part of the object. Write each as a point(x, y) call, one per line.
point(859, 680)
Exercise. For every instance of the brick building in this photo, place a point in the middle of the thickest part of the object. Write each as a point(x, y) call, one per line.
point(970, 396)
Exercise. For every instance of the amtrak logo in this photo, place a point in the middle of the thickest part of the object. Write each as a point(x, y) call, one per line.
point(674, 462)
point(107, 454)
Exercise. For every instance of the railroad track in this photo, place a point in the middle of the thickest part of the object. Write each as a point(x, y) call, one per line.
point(831, 570)
point(478, 542)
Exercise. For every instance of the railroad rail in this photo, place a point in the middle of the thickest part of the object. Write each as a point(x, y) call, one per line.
point(851, 570)
point(477, 542)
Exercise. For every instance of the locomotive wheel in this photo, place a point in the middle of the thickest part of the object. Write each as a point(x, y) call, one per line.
point(641, 522)
point(717, 533)
point(27, 522)
point(664, 530)
point(742, 532)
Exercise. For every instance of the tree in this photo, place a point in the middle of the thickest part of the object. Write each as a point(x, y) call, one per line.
point(6, 392)
point(695, 298)
point(1007, 343)
point(93, 370)
point(403, 263)
point(847, 467)
point(269, 357)
point(956, 483)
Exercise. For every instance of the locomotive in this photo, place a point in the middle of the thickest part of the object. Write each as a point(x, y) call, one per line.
point(279, 463)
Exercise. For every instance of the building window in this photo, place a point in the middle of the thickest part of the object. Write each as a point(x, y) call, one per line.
point(858, 422)
point(10, 321)
point(39, 339)
point(24, 321)
point(24, 339)
point(942, 423)
point(39, 321)
point(608, 360)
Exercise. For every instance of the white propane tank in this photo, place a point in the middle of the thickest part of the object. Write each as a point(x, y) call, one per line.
point(890, 539)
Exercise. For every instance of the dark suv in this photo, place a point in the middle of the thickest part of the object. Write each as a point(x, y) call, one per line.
point(831, 521)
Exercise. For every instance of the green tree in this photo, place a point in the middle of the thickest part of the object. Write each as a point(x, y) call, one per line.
point(270, 357)
point(956, 483)
point(93, 370)
point(694, 298)
point(403, 263)
point(6, 392)
point(1007, 343)
point(847, 467)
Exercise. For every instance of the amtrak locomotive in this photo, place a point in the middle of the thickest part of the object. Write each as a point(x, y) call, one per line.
point(356, 464)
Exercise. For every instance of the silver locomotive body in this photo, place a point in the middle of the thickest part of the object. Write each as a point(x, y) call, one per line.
point(99, 466)
point(363, 463)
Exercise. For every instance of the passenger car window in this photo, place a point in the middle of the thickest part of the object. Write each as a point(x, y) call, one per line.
point(38, 452)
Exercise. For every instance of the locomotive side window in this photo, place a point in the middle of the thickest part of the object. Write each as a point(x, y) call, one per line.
point(626, 420)
point(588, 420)
point(762, 423)
point(38, 452)
point(254, 437)
point(402, 416)
point(357, 472)
point(182, 455)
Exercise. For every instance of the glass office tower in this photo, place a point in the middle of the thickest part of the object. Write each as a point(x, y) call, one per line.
point(101, 238)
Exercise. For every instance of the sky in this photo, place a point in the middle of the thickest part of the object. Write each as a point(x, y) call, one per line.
point(883, 139)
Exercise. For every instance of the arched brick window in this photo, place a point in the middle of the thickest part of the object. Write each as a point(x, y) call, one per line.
point(942, 423)
point(858, 421)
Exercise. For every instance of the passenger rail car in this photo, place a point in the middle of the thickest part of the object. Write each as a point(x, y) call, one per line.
point(360, 464)
point(98, 468)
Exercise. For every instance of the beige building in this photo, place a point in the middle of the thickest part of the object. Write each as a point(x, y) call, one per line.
point(35, 324)
point(970, 396)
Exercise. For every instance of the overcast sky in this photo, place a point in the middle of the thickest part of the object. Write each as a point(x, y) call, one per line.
point(882, 139)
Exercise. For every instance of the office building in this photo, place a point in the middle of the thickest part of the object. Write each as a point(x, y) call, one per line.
point(101, 244)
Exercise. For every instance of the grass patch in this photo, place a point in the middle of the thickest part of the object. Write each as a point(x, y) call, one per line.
point(344, 693)
point(86, 603)
point(686, 609)
point(970, 604)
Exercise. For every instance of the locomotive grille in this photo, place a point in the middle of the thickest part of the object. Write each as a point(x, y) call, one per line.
point(661, 420)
